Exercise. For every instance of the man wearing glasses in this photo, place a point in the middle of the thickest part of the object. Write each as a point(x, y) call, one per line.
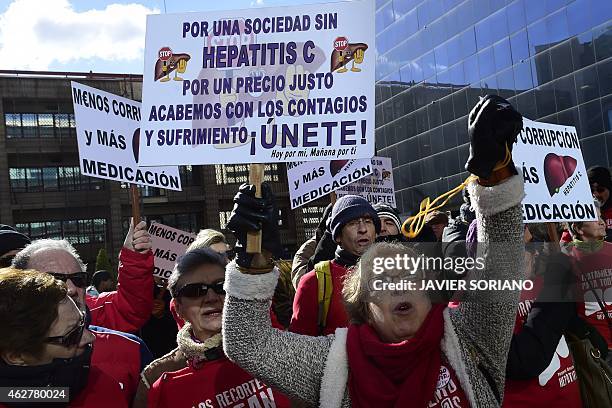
point(118, 354)
point(601, 185)
point(353, 224)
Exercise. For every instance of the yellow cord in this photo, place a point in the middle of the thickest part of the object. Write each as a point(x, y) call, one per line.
point(413, 225)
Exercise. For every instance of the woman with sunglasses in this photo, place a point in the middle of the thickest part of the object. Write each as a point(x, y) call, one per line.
point(197, 372)
point(44, 342)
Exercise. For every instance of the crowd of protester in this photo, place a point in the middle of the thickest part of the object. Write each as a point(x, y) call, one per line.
point(236, 329)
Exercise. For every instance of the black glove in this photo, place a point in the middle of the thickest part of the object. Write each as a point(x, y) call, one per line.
point(255, 214)
point(493, 124)
point(322, 227)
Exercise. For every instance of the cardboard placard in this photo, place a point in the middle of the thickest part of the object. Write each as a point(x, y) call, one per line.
point(378, 187)
point(556, 183)
point(107, 128)
point(261, 85)
point(309, 181)
point(168, 245)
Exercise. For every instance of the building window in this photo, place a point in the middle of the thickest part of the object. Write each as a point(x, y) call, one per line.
point(37, 179)
point(224, 218)
point(186, 173)
point(84, 231)
point(28, 125)
point(312, 216)
point(239, 173)
point(185, 221)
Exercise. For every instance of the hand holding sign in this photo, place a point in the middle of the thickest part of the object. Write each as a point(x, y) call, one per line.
point(255, 214)
point(138, 238)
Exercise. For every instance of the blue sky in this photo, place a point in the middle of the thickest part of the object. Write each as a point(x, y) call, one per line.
point(91, 35)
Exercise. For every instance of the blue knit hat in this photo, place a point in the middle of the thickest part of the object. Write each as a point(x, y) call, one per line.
point(348, 208)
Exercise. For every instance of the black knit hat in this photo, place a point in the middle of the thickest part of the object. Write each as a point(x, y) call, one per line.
point(601, 176)
point(11, 240)
point(385, 210)
point(348, 208)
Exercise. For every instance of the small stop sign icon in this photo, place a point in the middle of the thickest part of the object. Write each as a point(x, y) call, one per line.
point(164, 53)
point(340, 43)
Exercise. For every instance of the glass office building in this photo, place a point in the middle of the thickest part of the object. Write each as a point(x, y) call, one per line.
point(552, 59)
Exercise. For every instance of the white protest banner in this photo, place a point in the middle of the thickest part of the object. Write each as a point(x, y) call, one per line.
point(261, 85)
point(168, 244)
point(309, 181)
point(378, 187)
point(107, 134)
point(556, 184)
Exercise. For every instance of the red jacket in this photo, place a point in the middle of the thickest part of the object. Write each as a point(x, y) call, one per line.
point(217, 384)
point(129, 307)
point(122, 357)
point(306, 307)
point(101, 391)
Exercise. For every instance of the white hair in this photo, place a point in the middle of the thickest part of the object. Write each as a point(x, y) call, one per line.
point(23, 257)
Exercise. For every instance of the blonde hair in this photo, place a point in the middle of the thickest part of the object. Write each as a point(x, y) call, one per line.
point(206, 238)
point(356, 290)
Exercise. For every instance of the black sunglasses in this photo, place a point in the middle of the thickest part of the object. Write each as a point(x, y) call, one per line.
point(78, 279)
point(196, 290)
point(599, 189)
point(72, 338)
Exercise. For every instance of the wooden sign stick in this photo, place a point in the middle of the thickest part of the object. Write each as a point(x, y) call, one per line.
point(256, 175)
point(135, 203)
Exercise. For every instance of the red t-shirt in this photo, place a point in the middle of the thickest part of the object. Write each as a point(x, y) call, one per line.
point(595, 274)
point(556, 386)
point(306, 304)
point(449, 393)
point(217, 384)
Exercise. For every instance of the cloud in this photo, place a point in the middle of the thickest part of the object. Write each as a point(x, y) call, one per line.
point(34, 34)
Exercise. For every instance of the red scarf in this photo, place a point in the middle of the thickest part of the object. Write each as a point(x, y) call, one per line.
point(395, 375)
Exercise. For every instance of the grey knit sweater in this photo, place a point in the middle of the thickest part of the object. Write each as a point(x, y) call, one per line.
point(476, 336)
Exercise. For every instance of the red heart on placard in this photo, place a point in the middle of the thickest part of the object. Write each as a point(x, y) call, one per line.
point(557, 169)
point(336, 165)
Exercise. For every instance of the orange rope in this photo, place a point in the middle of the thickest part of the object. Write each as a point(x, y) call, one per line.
point(413, 225)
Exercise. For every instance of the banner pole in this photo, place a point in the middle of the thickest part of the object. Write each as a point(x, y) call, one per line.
point(256, 176)
point(135, 203)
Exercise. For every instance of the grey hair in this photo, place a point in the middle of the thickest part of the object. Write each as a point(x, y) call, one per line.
point(357, 290)
point(206, 238)
point(23, 257)
point(189, 262)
